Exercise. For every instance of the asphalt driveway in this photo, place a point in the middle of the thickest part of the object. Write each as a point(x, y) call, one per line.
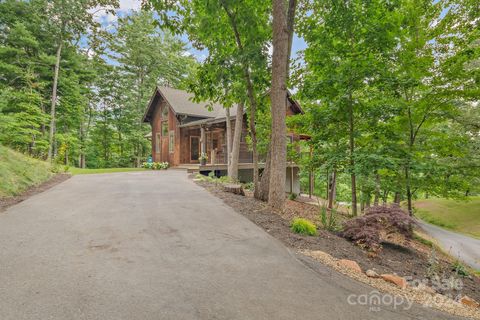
point(153, 245)
point(458, 245)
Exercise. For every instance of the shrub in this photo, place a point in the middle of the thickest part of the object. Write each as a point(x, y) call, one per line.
point(367, 230)
point(460, 269)
point(248, 186)
point(304, 226)
point(155, 165)
point(292, 196)
point(329, 218)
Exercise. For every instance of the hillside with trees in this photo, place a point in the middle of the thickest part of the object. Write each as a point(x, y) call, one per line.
point(74, 90)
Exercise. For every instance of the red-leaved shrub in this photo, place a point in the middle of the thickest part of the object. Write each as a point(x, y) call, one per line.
point(367, 230)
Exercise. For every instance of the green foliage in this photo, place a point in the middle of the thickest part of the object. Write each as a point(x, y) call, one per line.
point(328, 217)
point(248, 186)
point(303, 226)
point(423, 240)
point(105, 80)
point(399, 68)
point(460, 269)
point(19, 172)
point(292, 196)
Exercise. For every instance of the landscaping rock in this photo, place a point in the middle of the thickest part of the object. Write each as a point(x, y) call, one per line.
point(234, 188)
point(353, 265)
point(372, 274)
point(466, 300)
point(399, 281)
point(425, 288)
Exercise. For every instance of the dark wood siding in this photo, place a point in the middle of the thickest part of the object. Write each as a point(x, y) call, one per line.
point(161, 139)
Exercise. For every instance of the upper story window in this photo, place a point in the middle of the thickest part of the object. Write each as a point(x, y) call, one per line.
point(165, 112)
point(164, 128)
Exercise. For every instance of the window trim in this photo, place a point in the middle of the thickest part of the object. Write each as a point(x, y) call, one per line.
point(158, 143)
point(171, 141)
point(164, 122)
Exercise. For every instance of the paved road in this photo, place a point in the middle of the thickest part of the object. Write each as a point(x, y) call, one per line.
point(458, 245)
point(153, 245)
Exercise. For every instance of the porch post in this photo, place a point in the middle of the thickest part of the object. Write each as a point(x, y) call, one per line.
point(203, 141)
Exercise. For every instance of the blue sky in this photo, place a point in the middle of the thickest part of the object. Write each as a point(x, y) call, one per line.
point(126, 6)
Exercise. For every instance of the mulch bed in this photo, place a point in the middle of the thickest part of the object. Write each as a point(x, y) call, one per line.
point(10, 201)
point(409, 260)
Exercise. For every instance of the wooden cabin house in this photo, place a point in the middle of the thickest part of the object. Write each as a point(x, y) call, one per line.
point(182, 130)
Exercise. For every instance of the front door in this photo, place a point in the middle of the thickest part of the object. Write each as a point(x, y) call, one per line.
point(194, 148)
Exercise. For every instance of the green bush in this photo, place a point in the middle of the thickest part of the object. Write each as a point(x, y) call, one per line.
point(248, 186)
point(292, 196)
point(460, 269)
point(304, 226)
point(329, 219)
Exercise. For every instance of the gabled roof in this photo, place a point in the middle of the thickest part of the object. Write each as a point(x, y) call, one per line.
point(182, 103)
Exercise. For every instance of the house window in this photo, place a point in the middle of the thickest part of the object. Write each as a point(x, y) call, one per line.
point(164, 112)
point(171, 141)
point(158, 143)
point(164, 128)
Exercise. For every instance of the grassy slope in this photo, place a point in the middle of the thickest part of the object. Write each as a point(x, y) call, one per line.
point(76, 171)
point(461, 216)
point(18, 172)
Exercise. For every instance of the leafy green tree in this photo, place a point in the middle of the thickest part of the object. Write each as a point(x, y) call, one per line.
point(67, 21)
point(236, 35)
point(347, 45)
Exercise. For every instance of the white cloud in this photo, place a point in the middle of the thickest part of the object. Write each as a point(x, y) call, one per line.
point(130, 4)
point(108, 19)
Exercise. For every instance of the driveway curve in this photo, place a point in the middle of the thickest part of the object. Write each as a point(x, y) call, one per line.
point(153, 245)
point(465, 248)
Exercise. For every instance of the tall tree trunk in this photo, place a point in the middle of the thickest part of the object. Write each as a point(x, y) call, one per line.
point(409, 191)
point(352, 156)
point(262, 193)
point(237, 134)
point(385, 197)
point(250, 93)
point(377, 189)
point(54, 101)
point(333, 189)
point(397, 198)
point(327, 193)
point(278, 97)
point(229, 141)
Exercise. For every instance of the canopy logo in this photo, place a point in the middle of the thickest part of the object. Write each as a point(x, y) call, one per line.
point(375, 300)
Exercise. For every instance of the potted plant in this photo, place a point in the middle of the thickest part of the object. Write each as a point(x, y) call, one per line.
point(203, 159)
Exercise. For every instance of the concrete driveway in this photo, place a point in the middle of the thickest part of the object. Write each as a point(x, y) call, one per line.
point(458, 245)
point(153, 245)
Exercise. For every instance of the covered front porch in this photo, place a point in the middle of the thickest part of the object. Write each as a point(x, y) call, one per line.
point(208, 137)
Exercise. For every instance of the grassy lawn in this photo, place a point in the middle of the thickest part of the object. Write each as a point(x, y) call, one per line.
point(18, 172)
point(76, 171)
point(457, 215)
